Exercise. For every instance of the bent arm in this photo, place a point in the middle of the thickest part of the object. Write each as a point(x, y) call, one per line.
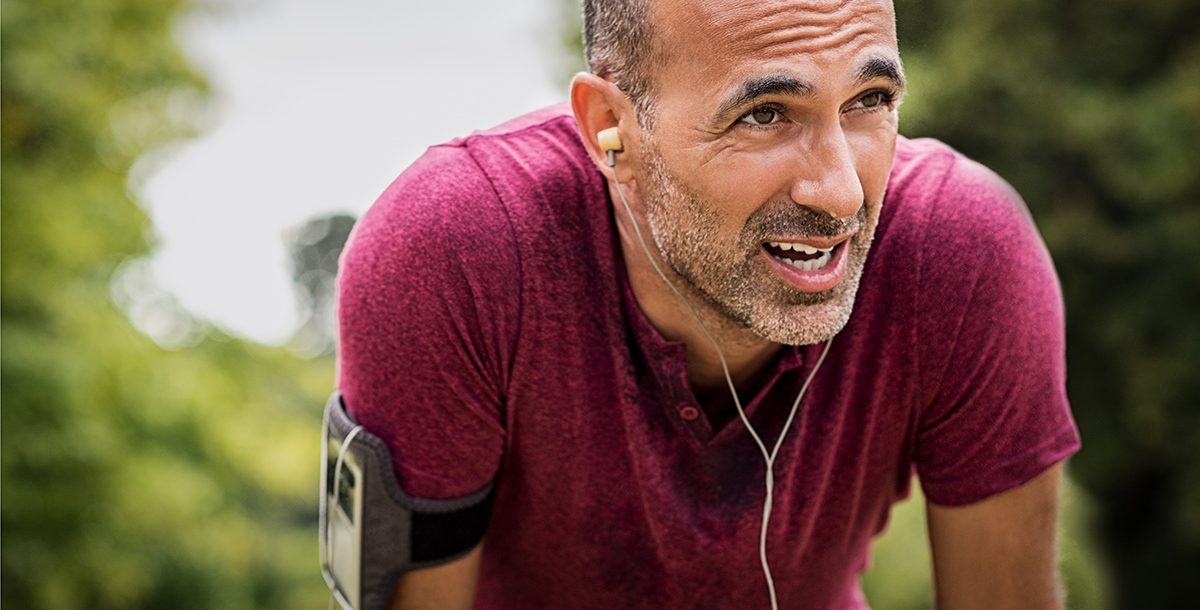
point(450, 586)
point(999, 552)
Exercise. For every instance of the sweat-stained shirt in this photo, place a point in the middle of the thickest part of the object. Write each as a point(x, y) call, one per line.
point(489, 333)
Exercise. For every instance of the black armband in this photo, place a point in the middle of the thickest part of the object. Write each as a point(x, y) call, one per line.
point(371, 532)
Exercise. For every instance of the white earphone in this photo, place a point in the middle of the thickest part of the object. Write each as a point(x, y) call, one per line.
point(610, 143)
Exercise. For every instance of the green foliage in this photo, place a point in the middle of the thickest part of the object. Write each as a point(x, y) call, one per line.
point(314, 248)
point(133, 476)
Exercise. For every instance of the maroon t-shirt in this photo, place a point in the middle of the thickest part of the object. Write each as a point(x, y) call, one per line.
point(489, 332)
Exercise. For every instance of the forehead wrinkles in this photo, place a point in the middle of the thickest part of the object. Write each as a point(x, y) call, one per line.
point(762, 28)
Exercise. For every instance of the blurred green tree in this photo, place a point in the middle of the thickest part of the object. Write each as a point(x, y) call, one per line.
point(314, 247)
point(133, 476)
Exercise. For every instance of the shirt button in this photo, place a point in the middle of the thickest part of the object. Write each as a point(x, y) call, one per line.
point(688, 412)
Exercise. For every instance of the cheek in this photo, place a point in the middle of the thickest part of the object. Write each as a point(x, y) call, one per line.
point(740, 184)
point(873, 152)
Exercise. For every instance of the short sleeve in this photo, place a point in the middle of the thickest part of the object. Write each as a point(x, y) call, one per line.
point(992, 359)
point(428, 298)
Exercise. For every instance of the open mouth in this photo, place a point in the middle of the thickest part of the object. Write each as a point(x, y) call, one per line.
point(802, 256)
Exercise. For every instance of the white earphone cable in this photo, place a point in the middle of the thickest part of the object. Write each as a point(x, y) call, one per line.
point(768, 457)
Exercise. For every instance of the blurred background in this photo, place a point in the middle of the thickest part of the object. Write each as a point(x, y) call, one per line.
point(178, 179)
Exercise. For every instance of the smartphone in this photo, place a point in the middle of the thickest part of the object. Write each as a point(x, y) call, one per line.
point(342, 504)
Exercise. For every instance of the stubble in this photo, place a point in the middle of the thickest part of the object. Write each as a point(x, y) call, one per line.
point(730, 273)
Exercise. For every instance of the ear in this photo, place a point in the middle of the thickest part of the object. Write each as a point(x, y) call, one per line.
point(598, 104)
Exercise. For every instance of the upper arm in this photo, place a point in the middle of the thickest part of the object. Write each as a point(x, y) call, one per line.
point(428, 295)
point(998, 552)
point(449, 586)
point(427, 309)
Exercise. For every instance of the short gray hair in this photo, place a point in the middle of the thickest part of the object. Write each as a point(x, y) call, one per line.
point(617, 42)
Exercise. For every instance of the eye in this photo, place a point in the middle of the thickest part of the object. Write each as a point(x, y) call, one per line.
point(761, 116)
point(872, 99)
point(875, 100)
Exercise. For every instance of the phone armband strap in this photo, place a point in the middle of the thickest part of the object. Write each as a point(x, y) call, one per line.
point(371, 532)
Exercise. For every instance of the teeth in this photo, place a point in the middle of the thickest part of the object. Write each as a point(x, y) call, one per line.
point(805, 248)
point(812, 265)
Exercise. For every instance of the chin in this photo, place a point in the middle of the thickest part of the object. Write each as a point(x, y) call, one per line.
point(805, 324)
point(813, 320)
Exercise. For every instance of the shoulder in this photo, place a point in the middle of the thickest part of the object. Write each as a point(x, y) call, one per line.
point(985, 277)
point(537, 164)
point(444, 183)
point(417, 233)
point(967, 223)
point(958, 205)
point(966, 236)
point(462, 188)
point(464, 194)
point(454, 223)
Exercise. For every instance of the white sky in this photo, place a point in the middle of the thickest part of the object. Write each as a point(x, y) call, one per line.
point(319, 105)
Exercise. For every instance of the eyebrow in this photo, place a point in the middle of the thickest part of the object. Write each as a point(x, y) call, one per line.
point(782, 84)
point(754, 88)
point(880, 67)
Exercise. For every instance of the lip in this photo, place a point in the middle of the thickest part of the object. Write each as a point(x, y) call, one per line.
point(813, 281)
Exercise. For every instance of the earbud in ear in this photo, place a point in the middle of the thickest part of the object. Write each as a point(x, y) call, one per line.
point(610, 139)
point(610, 143)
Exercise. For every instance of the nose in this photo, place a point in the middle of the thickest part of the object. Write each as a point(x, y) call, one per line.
point(826, 177)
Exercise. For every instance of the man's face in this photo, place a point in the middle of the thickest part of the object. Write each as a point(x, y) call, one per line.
point(766, 163)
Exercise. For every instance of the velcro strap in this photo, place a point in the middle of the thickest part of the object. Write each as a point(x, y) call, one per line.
point(395, 532)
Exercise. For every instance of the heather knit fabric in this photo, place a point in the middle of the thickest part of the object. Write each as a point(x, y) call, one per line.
point(488, 331)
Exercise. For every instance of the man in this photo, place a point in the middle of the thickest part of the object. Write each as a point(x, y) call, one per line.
point(505, 332)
